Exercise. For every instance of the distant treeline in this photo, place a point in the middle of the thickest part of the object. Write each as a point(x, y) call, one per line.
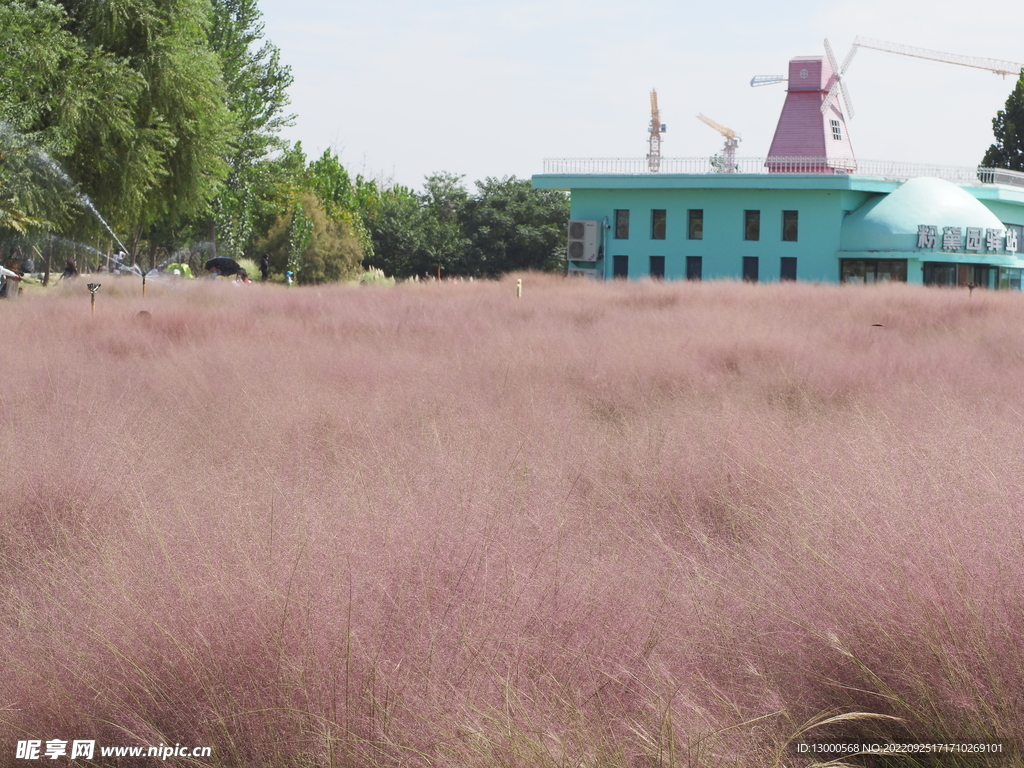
point(165, 115)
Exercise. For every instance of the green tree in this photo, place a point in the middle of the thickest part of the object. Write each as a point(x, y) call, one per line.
point(168, 161)
point(255, 79)
point(507, 225)
point(53, 91)
point(314, 230)
point(1008, 128)
point(27, 194)
point(395, 223)
point(343, 200)
point(443, 243)
point(331, 252)
point(331, 182)
point(512, 226)
point(256, 84)
point(310, 243)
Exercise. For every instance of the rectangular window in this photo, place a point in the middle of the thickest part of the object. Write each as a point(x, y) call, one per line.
point(657, 267)
point(938, 273)
point(750, 269)
point(695, 225)
point(787, 268)
point(983, 276)
point(694, 267)
point(1009, 278)
point(622, 225)
point(837, 133)
point(620, 266)
point(657, 224)
point(854, 271)
point(751, 225)
point(891, 270)
point(872, 271)
point(789, 226)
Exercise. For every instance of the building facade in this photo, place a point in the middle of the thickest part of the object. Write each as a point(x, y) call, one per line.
point(810, 222)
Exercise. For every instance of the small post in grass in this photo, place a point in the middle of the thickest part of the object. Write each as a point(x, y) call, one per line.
point(143, 285)
point(519, 288)
point(93, 287)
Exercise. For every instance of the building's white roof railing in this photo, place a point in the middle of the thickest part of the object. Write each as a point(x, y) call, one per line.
point(1001, 176)
point(755, 165)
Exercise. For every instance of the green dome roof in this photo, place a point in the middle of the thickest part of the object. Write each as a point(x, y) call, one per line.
point(890, 222)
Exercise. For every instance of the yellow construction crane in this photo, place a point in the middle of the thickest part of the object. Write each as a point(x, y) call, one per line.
point(655, 129)
point(732, 140)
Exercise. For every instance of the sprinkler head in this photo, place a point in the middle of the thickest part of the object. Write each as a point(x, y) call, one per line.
point(93, 287)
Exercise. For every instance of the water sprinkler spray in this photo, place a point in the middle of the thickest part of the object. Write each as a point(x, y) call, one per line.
point(93, 287)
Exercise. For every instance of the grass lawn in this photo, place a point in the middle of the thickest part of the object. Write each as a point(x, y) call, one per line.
point(628, 525)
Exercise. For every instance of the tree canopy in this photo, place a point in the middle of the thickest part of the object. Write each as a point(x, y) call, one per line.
point(1008, 128)
point(167, 159)
point(55, 90)
point(512, 226)
point(506, 225)
point(256, 85)
point(166, 116)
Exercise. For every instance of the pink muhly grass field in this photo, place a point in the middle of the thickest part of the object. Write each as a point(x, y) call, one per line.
point(631, 524)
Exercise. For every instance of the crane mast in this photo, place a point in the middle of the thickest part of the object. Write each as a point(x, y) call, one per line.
point(655, 129)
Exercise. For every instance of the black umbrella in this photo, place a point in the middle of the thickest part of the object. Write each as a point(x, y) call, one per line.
point(225, 266)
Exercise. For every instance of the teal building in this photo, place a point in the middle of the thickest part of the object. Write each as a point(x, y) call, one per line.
point(933, 226)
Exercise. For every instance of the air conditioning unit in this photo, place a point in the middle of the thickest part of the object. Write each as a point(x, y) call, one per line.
point(584, 240)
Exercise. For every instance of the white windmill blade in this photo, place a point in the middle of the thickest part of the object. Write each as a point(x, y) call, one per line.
point(758, 80)
point(849, 57)
point(836, 72)
point(837, 80)
point(832, 94)
point(846, 99)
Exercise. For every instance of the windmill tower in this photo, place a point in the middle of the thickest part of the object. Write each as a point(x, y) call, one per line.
point(732, 141)
point(655, 129)
point(801, 135)
point(811, 136)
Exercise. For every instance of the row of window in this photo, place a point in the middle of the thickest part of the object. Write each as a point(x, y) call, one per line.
point(854, 271)
point(695, 224)
point(695, 267)
point(934, 273)
point(977, 275)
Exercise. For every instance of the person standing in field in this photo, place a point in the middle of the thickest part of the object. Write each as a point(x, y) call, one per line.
point(265, 267)
point(70, 270)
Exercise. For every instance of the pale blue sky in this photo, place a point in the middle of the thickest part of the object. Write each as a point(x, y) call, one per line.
point(401, 89)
